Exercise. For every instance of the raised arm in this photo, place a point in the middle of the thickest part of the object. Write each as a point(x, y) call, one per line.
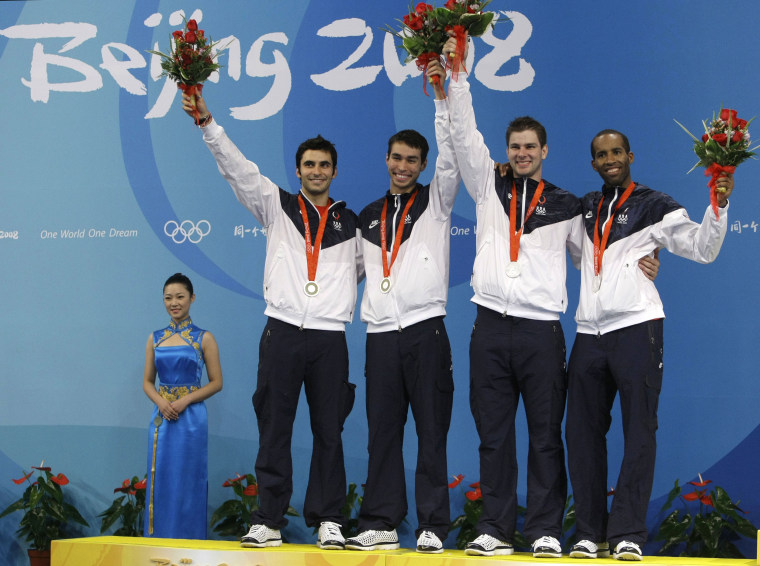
point(254, 191)
point(473, 157)
point(447, 179)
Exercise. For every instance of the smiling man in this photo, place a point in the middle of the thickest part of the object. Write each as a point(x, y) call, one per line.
point(525, 228)
point(619, 345)
point(405, 245)
point(310, 277)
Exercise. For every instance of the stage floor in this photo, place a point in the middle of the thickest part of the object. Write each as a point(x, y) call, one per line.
point(126, 551)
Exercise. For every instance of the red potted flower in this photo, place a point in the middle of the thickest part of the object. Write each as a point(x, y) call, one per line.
point(46, 513)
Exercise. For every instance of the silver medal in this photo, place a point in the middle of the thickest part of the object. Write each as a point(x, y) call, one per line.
point(311, 289)
point(597, 283)
point(513, 269)
point(385, 285)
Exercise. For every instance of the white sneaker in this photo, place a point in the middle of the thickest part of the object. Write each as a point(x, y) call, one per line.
point(260, 536)
point(486, 545)
point(627, 550)
point(330, 537)
point(546, 547)
point(429, 543)
point(373, 540)
point(588, 549)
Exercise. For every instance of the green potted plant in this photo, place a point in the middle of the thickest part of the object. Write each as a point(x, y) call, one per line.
point(710, 531)
point(46, 514)
point(129, 508)
point(233, 517)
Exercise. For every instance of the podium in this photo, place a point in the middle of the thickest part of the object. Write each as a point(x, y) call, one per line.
point(129, 551)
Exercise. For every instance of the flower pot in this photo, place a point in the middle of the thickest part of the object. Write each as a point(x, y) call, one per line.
point(39, 557)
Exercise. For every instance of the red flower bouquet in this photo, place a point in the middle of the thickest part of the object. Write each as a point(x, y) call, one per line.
point(724, 145)
point(425, 30)
point(191, 60)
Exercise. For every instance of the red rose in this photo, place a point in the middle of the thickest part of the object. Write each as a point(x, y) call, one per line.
point(200, 33)
point(190, 37)
point(741, 124)
point(705, 137)
point(192, 25)
point(414, 23)
point(451, 4)
point(422, 8)
point(728, 116)
point(177, 35)
point(737, 137)
point(720, 138)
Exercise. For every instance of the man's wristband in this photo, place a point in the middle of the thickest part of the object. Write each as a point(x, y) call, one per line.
point(203, 122)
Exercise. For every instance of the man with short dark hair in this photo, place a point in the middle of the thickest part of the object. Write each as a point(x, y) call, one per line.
point(525, 228)
point(618, 347)
point(310, 277)
point(405, 245)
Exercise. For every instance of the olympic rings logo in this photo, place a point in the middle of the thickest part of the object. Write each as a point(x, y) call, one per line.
point(187, 230)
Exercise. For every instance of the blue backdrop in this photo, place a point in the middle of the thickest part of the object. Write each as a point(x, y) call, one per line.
point(99, 166)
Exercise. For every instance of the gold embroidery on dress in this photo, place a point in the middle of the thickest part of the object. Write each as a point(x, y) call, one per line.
point(184, 332)
point(171, 394)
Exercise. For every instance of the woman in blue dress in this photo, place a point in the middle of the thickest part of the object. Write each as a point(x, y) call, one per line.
point(177, 489)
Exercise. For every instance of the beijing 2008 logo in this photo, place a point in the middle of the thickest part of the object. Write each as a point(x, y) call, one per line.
point(187, 230)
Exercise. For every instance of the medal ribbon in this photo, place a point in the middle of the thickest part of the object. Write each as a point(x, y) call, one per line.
point(397, 239)
point(599, 249)
point(312, 252)
point(514, 234)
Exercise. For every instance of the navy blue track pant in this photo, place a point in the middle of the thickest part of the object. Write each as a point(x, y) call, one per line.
point(318, 359)
point(629, 362)
point(408, 368)
point(512, 357)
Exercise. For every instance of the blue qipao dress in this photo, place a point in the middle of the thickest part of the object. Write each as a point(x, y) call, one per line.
point(176, 497)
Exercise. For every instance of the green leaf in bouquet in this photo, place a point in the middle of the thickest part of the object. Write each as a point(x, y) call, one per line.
point(477, 24)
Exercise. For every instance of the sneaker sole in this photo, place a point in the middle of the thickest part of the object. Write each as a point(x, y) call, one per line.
point(429, 550)
point(581, 554)
point(547, 554)
point(498, 552)
point(330, 545)
point(388, 546)
point(253, 544)
point(631, 556)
